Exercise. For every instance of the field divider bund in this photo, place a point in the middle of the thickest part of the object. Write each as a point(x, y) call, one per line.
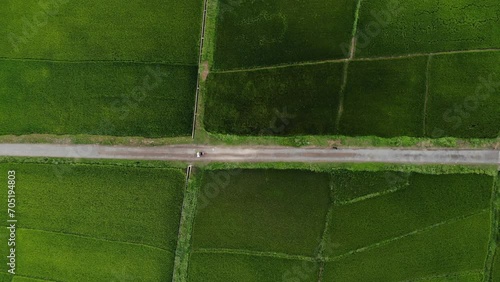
point(200, 67)
point(371, 196)
point(32, 277)
point(426, 97)
point(253, 253)
point(362, 59)
point(345, 72)
point(495, 232)
point(324, 241)
point(183, 249)
point(95, 238)
point(412, 233)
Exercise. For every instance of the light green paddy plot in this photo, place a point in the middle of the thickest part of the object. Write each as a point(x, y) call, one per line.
point(397, 27)
point(263, 33)
point(464, 96)
point(156, 30)
point(95, 222)
point(120, 99)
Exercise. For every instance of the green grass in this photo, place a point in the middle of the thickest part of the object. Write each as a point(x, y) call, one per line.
point(426, 26)
point(464, 96)
point(426, 200)
point(96, 214)
point(162, 30)
point(262, 210)
point(283, 101)
point(244, 268)
point(384, 98)
point(449, 249)
point(67, 258)
point(262, 33)
point(96, 98)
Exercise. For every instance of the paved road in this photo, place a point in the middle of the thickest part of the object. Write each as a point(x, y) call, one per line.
point(253, 154)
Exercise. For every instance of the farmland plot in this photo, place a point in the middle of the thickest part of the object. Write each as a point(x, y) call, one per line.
point(283, 101)
point(100, 222)
point(263, 210)
point(422, 201)
point(464, 96)
point(244, 268)
point(454, 251)
point(120, 99)
point(389, 28)
point(265, 225)
point(384, 98)
point(99, 67)
point(162, 30)
point(263, 33)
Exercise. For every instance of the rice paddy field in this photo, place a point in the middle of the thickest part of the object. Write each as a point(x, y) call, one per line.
point(95, 222)
point(99, 68)
point(263, 33)
point(382, 68)
point(342, 225)
point(115, 221)
point(248, 109)
point(424, 70)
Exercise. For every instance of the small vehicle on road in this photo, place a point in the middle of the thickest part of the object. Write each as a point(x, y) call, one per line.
point(200, 154)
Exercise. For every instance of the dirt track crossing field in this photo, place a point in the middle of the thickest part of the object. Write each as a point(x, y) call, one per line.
point(254, 154)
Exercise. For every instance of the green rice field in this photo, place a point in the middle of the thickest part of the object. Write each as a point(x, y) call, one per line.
point(262, 33)
point(99, 68)
point(423, 70)
point(303, 100)
point(362, 225)
point(99, 222)
point(120, 99)
point(133, 221)
point(464, 103)
point(388, 28)
point(161, 31)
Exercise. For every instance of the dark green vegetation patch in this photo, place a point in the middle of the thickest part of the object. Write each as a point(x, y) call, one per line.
point(396, 27)
point(266, 225)
point(384, 98)
point(283, 101)
point(120, 99)
point(424, 201)
point(351, 187)
point(464, 97)
point(452, 250)
point(262, 33)
point(100, 222)
point(155, 30)
point(262, 210)
point(222, 267)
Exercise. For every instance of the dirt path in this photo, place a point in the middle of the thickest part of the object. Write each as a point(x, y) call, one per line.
point(254, 154)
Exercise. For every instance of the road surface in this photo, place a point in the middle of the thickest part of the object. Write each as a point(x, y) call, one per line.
point(254, 154)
